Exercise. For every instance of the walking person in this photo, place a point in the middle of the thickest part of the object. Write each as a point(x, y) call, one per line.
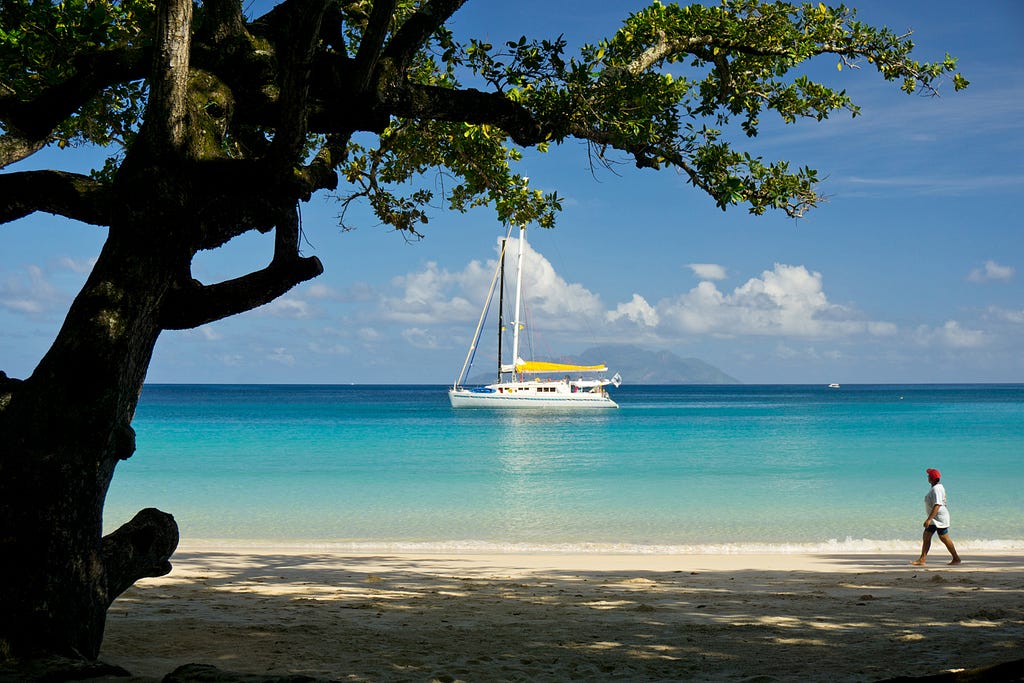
point(937, 520)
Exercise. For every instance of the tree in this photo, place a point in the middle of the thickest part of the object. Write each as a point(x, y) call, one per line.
point(224, 125)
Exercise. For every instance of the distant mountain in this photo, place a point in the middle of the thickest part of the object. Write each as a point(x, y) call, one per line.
point(640, 366)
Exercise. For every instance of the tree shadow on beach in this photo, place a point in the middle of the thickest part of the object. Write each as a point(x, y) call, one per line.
point(397, 618)
point(937, 559)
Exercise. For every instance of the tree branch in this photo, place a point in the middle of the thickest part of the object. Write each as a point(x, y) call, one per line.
point(65, 194)
point(14, 148)
point(168, 91)
point(322, 173)
point(140, 548)
point(704, 46)
point(225, 20)
point(415, 32)
point(372, 44)
point(196, 304)
point(35, 119)
point(469, 106)
point(200, 304)
point(296, 56)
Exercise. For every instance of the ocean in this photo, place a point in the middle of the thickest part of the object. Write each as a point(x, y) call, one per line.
point(676, 469)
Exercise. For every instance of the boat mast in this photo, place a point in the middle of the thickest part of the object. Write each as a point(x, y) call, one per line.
point(501, 304)
point(519, 294)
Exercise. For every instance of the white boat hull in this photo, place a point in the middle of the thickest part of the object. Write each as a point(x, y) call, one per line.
point(492, 397)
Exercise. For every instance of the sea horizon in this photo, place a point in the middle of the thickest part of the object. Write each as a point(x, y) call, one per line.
point(736, 468)
point(627, 386)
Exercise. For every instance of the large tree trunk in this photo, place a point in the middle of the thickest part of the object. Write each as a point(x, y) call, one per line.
point(65, 428)
point(62, 431)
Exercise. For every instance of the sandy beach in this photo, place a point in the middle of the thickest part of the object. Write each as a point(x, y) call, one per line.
point(563, 617)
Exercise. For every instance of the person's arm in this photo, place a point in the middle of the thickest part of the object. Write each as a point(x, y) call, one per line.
point(931, 515)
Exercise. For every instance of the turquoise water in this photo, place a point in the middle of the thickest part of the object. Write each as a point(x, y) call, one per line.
point(675, 469)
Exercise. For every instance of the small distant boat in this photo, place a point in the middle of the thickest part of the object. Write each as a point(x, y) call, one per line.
point(833, 386)
point(523, 383)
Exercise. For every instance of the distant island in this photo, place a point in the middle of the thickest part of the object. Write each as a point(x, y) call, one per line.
point(642, 366)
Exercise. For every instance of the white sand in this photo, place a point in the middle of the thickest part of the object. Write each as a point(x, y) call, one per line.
point(563, 617)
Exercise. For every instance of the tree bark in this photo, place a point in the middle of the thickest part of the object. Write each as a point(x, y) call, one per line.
point(62, 431)
point(65, 428)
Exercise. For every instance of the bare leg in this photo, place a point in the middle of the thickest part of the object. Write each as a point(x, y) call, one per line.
point(926, 543)
point(948, 542)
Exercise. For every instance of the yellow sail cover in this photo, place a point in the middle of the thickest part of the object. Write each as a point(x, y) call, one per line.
point(538, 366)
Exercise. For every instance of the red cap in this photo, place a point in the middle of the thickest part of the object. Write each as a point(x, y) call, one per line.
point(934, 474)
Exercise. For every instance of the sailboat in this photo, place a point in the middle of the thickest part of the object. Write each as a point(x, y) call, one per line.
point(529, 383)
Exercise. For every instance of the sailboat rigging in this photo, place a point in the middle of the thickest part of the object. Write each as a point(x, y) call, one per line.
point(522, 383)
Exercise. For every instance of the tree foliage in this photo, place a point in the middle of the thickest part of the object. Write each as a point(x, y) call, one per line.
point(661, 90)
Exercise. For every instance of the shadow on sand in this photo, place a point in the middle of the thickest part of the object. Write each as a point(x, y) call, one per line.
point(398, 618)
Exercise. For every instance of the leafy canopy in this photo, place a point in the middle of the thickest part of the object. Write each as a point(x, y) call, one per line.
point(44, 44)
point(668, 90)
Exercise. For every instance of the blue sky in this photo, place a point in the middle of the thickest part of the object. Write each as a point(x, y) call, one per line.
point(911, 272)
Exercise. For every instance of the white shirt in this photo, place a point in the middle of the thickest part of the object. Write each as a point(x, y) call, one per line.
point(937, 496)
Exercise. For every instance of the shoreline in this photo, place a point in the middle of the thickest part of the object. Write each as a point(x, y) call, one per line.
point(516, 558)
point(555, 616)
point(471, 547)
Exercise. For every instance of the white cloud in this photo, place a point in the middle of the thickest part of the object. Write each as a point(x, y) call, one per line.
point(282, 356)
point(329, 349)
point(33, 297)
point(785, 301)
point(368, 334)
point(287, 307)
point(208, 333)
point(708, 271)
point(354, 293)
point(951, 335)
point(20, 304)
point(427, 298)
point(991, 271)
point(786, 298)
point(76, 266)
point(809, 353)
point(318, 290)
point(637, 310)
point(433, 295)
point(1015, 317)
point(881, 329)
point(944, 186)
point(560, 304)
point(232, 360)
point(420, 338)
